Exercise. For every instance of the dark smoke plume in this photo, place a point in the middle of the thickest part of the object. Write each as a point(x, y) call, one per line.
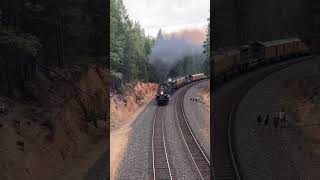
point(168, 51)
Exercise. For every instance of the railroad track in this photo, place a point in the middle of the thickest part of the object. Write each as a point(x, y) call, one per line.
point(225, 165)
point(160, 162)
point(161, 165)
point(199, 158)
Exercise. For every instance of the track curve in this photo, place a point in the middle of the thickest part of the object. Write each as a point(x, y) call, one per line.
point(227, 99)
point(287, 145)
point(199, 159)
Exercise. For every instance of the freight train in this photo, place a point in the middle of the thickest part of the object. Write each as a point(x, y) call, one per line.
point(228, 62)
point(232, 61)
point(167, 88)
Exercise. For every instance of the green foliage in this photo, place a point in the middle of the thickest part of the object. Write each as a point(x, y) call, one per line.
point(37, 34)
point(159, 36)
point(206, 52)
point(24, 44)
point(187, 65)
point(129, 47)
point(116, 80)
point(17, 64)
point(73, 28)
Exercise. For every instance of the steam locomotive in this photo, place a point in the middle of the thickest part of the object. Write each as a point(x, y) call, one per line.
point(168, 87)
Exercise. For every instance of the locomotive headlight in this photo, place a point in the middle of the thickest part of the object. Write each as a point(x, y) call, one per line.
point(161, 92)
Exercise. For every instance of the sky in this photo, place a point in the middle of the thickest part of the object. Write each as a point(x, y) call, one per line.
point(191, 35)
point(169, 15)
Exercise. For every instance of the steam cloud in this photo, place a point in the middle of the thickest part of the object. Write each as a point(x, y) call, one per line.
point(169, 51)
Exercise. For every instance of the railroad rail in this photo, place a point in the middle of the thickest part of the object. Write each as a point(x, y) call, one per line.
point(160, 162)
point(199, 158)
point(232, 153)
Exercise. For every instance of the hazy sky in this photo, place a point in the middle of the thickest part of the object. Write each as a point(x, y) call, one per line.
point(169, 15)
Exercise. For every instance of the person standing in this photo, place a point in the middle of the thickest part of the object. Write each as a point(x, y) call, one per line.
point(266, 121)
point(259, 120)
point(1, 115)
point(276, 122)
point(282, 116)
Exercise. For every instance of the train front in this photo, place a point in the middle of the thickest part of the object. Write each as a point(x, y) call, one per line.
point(162, 96)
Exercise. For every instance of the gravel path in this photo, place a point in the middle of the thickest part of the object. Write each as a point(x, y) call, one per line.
point(198, 118)
point(268, 153)
point(138, 156)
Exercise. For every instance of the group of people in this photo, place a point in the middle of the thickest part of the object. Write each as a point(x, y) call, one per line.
point(195, 99)
point(2, 113)
point(276, 120)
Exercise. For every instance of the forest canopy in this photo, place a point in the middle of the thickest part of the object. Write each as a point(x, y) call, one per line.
point(129, 48)
point(45, 33)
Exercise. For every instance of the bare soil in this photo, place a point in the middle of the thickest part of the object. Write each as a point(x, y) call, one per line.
point(52, 139)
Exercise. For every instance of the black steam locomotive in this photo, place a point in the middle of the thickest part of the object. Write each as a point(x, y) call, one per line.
point(163, 94)
point(168, 87)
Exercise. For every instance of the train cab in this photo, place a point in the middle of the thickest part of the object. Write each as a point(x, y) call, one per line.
point(162, 96)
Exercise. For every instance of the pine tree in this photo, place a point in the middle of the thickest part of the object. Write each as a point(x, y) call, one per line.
point(206, 51)
point(129, 47)
point(159, 35)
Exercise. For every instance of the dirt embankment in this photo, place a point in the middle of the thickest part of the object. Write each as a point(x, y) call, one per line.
point(56, 128)
point(124, 109)
point(124, 106)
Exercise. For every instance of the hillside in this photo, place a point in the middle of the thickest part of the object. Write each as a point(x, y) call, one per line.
point(59, 121)
point(123, 106)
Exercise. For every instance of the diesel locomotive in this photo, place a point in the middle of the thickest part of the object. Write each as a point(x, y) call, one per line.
point(231, 61)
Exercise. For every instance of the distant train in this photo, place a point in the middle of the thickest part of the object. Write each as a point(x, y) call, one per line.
point(231, 61)
point(228, 62)
point(168, 87)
